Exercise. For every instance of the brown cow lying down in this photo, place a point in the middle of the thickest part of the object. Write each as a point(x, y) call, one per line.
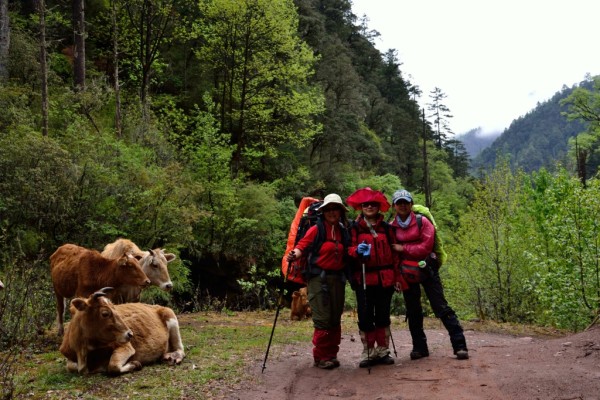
point(154, 264)
point(77, 271)
point(119, 338)
point(300, 308)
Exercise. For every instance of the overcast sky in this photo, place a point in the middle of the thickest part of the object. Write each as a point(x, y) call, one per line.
point(494, 60)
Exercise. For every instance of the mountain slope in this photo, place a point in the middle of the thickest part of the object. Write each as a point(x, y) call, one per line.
point(538, 139)
point(475, 141)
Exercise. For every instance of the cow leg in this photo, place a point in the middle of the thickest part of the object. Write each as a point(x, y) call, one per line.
point(81, 364)
point(175, 344)
point(72, 366)
point(295, 307)
point(118, 360)
point(60, 312)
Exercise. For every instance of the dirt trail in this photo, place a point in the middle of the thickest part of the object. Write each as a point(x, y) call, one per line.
point(500, 367)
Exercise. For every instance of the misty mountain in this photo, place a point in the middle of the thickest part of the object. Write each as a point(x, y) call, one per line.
point(475, 141)
point(537, 139)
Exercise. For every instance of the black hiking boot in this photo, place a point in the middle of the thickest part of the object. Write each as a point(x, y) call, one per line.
point(416, 354)
point(462, 354)
point(385, 360)
point(326, 364)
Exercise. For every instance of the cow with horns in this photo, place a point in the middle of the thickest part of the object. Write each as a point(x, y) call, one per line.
point(119, 338)
point(153, 262)
point(77, 271)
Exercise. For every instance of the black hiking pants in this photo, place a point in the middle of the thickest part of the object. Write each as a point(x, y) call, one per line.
point(432, 285)
point(373, 307)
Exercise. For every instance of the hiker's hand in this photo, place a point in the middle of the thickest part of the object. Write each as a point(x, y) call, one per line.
point(293, 254)
point(401, 284)
point(368, 252)
point(398, 247)
point(363, 249)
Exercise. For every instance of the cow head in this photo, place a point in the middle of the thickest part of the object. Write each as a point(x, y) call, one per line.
point(154, 263)
point(130, 272)
point(96, 320)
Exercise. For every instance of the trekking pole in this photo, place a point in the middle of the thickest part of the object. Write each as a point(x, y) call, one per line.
point(365, 293)
point(393, 344)
point(280, 300)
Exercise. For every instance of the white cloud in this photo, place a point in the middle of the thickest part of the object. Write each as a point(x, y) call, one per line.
point(494, 60)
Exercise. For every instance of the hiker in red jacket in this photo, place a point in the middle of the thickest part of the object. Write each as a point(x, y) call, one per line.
point(375, 275)
point(326, 247)
point(415, 246)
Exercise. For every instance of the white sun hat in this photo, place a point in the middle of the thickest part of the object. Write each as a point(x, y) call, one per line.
point(332, 199)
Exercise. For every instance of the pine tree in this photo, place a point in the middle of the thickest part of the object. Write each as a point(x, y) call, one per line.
point(441, 117)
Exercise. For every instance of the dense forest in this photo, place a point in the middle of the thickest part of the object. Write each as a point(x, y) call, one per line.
point(197, 126)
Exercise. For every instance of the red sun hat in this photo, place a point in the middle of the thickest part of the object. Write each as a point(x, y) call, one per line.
point(366, 195)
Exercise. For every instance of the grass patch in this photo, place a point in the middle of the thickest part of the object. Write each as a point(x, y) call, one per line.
point(221, 349)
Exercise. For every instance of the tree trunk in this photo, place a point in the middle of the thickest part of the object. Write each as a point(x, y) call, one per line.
point(4, 39)
point(79, 41)
point(118, 128)
point(426, 182)
point(152, 21)
point(41, 9)
point(147, 55)
point(581, 155)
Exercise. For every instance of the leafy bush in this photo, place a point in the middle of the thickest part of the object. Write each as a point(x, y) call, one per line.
point(26, 307)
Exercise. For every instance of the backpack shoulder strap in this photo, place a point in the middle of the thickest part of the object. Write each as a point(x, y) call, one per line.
point(346, 234)
point(315, 247)
point(319, 239)
point(353, 231)
point(388, 229)
point(419, 220)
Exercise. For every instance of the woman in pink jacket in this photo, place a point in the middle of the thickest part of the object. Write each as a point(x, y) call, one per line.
point(415, 246)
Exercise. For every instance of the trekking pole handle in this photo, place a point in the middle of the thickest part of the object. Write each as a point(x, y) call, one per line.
point(364, 280)
point(291, 256)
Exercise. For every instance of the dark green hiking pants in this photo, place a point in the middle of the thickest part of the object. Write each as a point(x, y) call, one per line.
point(326, 299)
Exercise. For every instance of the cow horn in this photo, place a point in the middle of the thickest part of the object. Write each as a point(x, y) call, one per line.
point(103, 292)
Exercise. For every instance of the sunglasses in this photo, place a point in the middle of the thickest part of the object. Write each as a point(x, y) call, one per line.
point(373, 204)
point(402, 202)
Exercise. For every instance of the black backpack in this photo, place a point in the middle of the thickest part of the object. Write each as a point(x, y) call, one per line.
point(310, 218)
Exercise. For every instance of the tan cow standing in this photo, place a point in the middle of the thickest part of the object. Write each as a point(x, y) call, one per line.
point(154, 264)
point(299, 307)
point(119, 338)
point(77, 271)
